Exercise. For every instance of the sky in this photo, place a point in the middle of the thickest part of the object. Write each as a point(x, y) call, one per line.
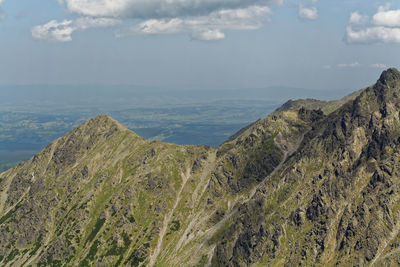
point(212, 44)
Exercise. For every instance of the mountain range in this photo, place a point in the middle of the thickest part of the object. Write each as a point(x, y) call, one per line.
point(314, 183)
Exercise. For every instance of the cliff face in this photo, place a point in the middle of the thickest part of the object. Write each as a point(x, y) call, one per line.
point(314, 183)
point(335, 201)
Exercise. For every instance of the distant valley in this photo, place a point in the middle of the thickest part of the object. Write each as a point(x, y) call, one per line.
point(33, 116)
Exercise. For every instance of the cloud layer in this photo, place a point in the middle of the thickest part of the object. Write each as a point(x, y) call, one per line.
point(384, 27)
point(349, 65)
point(204, 28)
point(156, 9)
point(201, 19)
point(355, 64)
point(61, 31)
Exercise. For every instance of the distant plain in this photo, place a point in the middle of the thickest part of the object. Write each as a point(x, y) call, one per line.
point(32, 116)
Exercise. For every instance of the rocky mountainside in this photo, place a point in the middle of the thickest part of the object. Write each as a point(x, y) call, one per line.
point(315, 183)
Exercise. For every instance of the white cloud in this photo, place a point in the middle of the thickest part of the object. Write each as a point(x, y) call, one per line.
point(379, 66)
point(349, 65)
point(376, 34)
point(384, 27)
point(204, 27)
point(62, 31)
point(390, 18)
point(308, 12)
point(357, 18)
point(210, 35)
point(154, 26)
point(54, 31)
point(153, 9)
point(202, 19)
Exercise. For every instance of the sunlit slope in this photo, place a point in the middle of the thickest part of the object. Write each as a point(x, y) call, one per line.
point(313, 183)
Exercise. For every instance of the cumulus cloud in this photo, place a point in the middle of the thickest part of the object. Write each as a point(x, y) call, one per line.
point(308, 12)
point(158, 8)
point(390, 18)
point(357, 18)
point(62, 31)
point(201, 19)
point(204, 27)
point(349, 65)
point(376, 34)
point(384, 27)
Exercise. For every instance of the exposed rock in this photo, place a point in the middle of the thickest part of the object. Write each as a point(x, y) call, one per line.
point(315, 183)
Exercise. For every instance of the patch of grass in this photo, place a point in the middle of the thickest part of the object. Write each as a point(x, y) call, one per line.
point(99, 223)
point(36, 245)
point(93, 250)
point(175, 225)
point(127, 242)
point(9, 214)
point(11, 256)
point(141, 199)
point(131, 219)
point(115, 250)
point(203, 261)
point(51, 262)
point(219, 234)
point(134, 259)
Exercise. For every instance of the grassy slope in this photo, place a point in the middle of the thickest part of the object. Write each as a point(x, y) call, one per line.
point(103, 195)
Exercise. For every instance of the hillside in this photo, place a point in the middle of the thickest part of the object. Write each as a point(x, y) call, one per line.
point(314, 183)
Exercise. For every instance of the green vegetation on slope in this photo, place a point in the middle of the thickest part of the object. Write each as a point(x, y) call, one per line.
point(299, 187)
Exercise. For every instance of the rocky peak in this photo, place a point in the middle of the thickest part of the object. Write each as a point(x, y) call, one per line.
point(387, 86)
point(377, 98)
point(99, 128)
point(94, 132)
point(390, 77)
point(104, 122)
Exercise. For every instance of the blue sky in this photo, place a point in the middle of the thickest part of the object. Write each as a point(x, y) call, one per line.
point(317, 44)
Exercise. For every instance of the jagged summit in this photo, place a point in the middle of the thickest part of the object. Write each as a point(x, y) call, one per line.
point(390, 76)
point(103, 122)
point(335, 201)
point(95, 131)
point(103, 118)
point(301, 103)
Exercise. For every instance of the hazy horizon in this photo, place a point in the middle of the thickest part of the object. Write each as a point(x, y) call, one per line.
point(315, 44)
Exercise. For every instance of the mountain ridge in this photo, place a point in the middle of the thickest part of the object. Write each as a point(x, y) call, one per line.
point(314, 183)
